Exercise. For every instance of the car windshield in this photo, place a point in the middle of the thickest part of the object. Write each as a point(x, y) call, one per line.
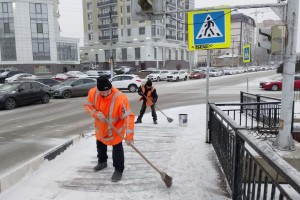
point(9, 87)
point(174, 72)
point(4, 73)
point(68, 82)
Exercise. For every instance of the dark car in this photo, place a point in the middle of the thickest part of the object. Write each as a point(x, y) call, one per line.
point(47, 81)
point(23, 92)
point(73, 87)
point(8, 74)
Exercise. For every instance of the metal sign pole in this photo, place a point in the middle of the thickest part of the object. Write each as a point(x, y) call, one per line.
point(207, 94)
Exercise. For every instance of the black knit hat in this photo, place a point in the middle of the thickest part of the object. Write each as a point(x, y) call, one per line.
point(148, 83)
point(103, 83)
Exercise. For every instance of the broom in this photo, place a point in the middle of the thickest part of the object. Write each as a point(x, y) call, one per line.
point(165, 177)
point(168, 118)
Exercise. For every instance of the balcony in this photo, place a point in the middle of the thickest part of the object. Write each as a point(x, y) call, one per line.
point(171, 37)
point(104, 26)
point(171, 26)
point(104, 3)
point(113, 13)
point(107, 37)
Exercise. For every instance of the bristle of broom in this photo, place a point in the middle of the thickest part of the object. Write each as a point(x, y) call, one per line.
point(167, 179)
point(170, 119)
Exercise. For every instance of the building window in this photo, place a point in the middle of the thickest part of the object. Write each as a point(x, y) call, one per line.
point(90, 27)
point(170, 56)
point(67, 51)
point(155, 53)
point(90, 16)
point(128, 9)
point(121, 9)
point(91, 36)
point(121, 21)
point(128, 32)
point(128, 21)
point(124, 54)
point(39, 28)
point(107, 54)
point(41, 48)
point(141, 21)
point(176, 54)
point(182, 55)
point(121, 32)
point(142, 31)
point(5, 7)
point(137, 52)
point(38, 8)
point(96, 58)
point(6, 28)
point(114, 52)
point(89, 6)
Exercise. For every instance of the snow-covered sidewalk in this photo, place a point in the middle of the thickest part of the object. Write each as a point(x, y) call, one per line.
point(181, 152)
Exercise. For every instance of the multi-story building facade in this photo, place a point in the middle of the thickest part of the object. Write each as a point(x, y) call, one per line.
point(140, 44)
point(30, 38)
point(242, 33)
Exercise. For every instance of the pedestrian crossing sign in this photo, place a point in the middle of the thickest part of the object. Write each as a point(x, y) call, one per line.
point(247, 53)
point(209, 29)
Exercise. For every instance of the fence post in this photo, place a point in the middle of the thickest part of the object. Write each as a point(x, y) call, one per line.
point(258, 108)
point(241, 100)
point(237, 167)
point(208, 137)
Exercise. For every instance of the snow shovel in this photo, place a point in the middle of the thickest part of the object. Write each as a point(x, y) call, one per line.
point(168, 118)
point(165, 177)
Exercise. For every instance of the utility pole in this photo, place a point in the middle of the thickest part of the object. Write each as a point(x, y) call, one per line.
point(111, 60)
point(284, 140)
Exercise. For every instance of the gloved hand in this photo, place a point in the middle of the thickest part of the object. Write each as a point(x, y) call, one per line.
point(100, 115)
point(129, 142)
point(153, 103)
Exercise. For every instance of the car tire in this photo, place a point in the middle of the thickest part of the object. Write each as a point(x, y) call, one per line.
point(185, 78)
point(177, 79)
point(66, 94)
point(158, 79)
point(274, 87)
point(46, 99)
point(132, 88)
point(10, 104)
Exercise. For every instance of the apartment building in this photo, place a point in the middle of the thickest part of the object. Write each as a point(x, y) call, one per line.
point(30, 38)
point(242, 33)
point(110, 30)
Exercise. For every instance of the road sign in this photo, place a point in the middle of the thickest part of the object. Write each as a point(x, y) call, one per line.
point(209, 29)
point(247, 53)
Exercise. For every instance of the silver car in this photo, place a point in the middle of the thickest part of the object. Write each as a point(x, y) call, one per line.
point(73, 87)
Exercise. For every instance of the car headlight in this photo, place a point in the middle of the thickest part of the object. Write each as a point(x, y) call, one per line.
point(267, 83)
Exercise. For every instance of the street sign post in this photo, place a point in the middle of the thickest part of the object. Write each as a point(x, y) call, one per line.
point(209, 29)
point(247, 53)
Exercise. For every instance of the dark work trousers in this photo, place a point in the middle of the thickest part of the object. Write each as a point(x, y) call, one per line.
point(143, 109)
point(117, 155)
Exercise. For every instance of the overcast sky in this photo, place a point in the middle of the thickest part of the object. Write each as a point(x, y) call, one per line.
point(71, 20)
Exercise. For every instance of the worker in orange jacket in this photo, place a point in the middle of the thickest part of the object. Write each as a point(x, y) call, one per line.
point(108, 104)
point(149, 96)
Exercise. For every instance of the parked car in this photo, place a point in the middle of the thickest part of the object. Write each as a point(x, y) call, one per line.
point(277, 84)
point(158, 75)
point(77, 74)
point(177, 75)
point(8, 74)
point(18, 77)
point(73, 87)
point(47, 81)
point(126, 82)
point(62, 77)
point(197, 75)
point(23, 92)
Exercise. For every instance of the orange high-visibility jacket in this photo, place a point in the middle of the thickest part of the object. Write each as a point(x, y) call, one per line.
point(117, 111)
point(149, 96)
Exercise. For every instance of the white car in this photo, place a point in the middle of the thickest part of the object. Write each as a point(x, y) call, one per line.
point(18, 77)
point(126, 82)
point(177, 76)
point(77, 74)
point(158, 75)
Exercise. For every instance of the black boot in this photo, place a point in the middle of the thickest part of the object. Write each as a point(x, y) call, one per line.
point(154, 122)
point(117, 176)
point(138, 121)
point(100, 166)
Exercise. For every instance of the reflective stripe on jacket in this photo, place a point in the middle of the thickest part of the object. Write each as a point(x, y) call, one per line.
point(117, 111)
point(149, 95)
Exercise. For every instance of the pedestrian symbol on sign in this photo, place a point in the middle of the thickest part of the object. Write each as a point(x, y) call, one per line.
point(209, 29)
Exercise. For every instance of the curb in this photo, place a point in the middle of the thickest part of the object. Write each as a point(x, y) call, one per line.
point(14, 176)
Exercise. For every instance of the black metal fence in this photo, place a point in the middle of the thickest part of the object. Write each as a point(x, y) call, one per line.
point(252, 168)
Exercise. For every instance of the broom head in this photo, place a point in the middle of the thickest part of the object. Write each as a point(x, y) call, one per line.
point(167, 179)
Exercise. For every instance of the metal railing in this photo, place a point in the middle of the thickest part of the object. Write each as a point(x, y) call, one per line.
point(252, 168)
